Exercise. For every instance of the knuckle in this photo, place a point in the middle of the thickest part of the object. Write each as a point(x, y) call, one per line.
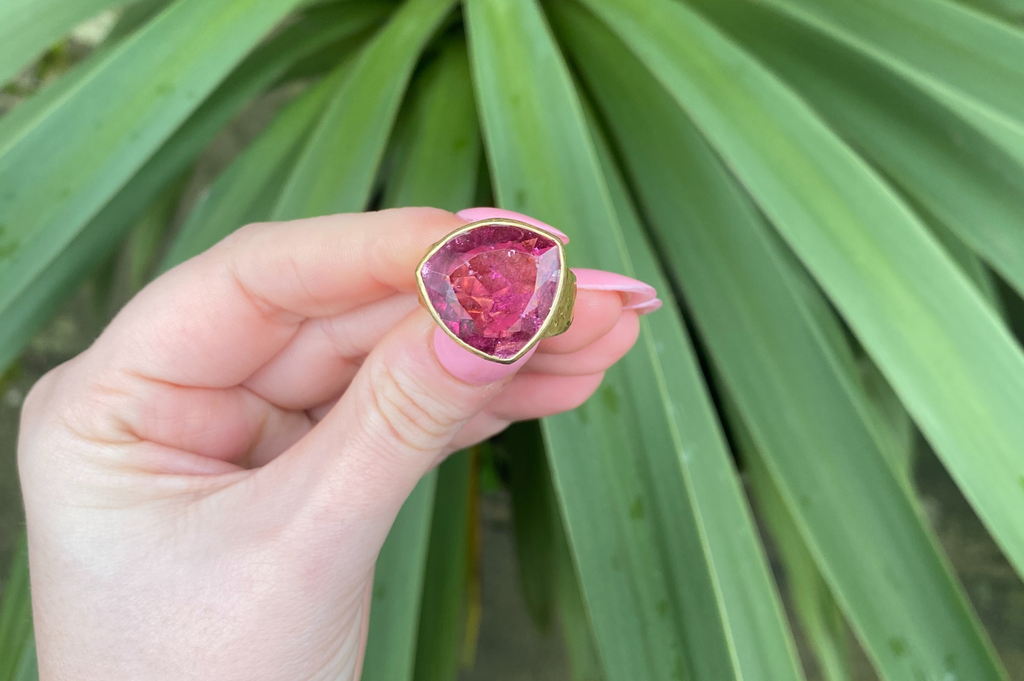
point(414, 418)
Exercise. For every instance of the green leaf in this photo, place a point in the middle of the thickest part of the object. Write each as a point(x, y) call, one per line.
point(442, 613)
point(398, 589)
point(943, 46)
point(70, 164)
point(577, 632)
point(801, 404)
point(669, 562)
point(247, 189)
point(960, 176)
point(545, 563)
point(441, 118)
point(336, 170)
point(1011, 11)
point(950, 360)
point(53, 281)
point(28, 27)
point(133, 16)
point(15, 616)
point(131, 266)
point(534, 519)
point(820, 617)
point(28, 666)
point(444, 151)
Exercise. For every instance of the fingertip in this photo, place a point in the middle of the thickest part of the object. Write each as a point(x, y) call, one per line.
point(648, 307)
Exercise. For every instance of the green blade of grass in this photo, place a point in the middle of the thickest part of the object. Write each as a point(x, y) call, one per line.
point(804, 410)
point(670, 566)
point(939, 344)
point(336, 170)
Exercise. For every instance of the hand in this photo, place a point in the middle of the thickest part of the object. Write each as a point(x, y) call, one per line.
point(207, 487)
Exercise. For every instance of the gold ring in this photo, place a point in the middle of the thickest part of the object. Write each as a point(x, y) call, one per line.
point(497, 287)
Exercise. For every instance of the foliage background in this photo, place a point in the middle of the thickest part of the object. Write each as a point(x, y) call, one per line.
point(924, 96)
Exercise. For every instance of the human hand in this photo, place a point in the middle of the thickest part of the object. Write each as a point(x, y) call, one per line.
point(207, 487)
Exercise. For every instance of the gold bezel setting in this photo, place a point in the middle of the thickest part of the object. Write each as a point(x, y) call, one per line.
point(559, 318)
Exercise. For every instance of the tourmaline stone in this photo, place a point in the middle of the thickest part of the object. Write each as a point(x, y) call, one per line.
point(494, 286)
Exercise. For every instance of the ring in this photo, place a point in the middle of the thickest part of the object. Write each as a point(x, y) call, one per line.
point(497, 287)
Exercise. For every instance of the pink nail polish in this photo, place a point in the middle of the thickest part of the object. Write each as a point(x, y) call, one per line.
point(474, 214)
point(638, 295)
point(466, 366)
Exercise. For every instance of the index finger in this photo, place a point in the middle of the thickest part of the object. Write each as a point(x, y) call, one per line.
point(215, 319)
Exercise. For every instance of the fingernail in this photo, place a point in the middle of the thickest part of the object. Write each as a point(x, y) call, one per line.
point(636, 294)
point(465, 366)
point(474, 214)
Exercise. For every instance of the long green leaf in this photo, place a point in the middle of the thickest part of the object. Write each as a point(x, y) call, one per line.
point(27, 27)
point(135, 15)
point(799, 401)
point(441, 118)
point(15, 615)
point(577, 631)
point(398, 589)
point(443, 152)
point(644, 481)
point(820, 617)
point(962, 177)
point(534, 519)
point(247, 189)
point(28, 666)
point(948, 357)
point(336, 170)
point(941, 45)
point(545, 562)
point(442, 613)
point(1011, 11)
point(59, 172)
point(44, 283)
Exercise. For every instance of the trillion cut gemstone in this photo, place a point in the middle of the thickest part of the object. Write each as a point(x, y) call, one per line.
point(494, 286)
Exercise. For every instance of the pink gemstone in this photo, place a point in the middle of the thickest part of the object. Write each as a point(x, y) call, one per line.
point(493, 286)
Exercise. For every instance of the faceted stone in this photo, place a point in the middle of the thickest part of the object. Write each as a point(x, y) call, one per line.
point(494, 286)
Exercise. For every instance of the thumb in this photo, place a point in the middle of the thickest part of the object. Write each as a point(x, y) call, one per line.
point(410, 398)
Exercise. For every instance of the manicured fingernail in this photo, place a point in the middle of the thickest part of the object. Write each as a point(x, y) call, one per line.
point(636, 294)
point(648, 307)
point(465, 366)
point(474, 214)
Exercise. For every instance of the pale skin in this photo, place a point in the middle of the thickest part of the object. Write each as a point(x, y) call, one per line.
point(207, 487)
